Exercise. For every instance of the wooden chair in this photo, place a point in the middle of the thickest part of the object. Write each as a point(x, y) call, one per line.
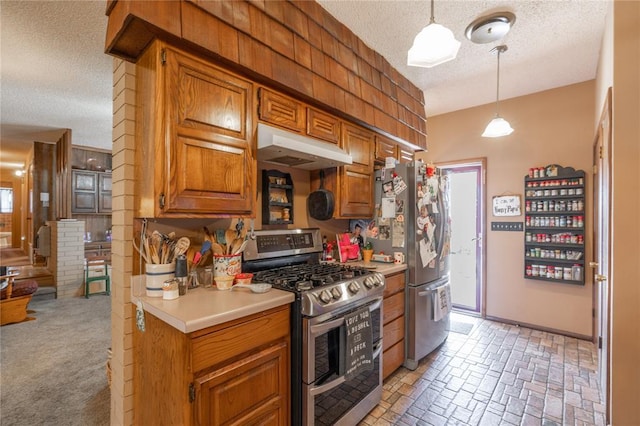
point(13, 306)
point(96, 266)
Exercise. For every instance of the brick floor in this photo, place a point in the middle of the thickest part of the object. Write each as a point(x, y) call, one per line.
point(498, 374)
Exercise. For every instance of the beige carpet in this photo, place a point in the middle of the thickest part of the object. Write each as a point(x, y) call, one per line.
point(53, 369)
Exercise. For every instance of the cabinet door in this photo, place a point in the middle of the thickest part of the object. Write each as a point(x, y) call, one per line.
point(281, 111)
point(104, 193)
point(405, 155)
point(385, 148)
point(251, 390)
point(210, 153)
point(84, 194)
point(356, 180)
point(323, 126)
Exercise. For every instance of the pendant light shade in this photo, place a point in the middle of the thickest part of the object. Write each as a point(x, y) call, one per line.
point(498, 126)
point(434, 45)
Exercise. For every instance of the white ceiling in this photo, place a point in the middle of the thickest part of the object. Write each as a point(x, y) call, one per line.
point(55, 75)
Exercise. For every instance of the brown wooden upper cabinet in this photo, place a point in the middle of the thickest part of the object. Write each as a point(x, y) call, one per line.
point(295, 116)
point(281, 110)
point(194, 137)
point(355, 182)
point(385, 147)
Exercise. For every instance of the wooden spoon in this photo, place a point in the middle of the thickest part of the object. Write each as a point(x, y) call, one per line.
point(229, 236)
point(217, 249)
point(181, 247)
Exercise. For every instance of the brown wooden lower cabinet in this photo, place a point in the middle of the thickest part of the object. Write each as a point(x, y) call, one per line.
point(393, 324)
point(233, 373)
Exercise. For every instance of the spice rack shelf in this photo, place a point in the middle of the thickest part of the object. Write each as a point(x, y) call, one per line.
point(554, 224)
point(277, 198)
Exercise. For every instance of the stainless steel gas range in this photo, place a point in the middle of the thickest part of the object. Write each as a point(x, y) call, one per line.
point(336, 332)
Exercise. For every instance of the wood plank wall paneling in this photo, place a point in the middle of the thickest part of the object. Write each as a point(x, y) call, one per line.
point(295, 45)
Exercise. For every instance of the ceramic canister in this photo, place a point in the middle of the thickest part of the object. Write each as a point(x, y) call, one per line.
point(227, 265)
point(156, 275)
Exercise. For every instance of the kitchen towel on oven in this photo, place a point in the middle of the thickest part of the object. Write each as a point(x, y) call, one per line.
point(359, 351)
point(441, 302)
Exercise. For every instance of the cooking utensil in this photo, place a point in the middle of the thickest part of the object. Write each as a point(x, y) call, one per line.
point(217, 249)
point(229, 236)
point(255, 288)
point(206, 246)
point(240, 248)
point(181, 247)
point(320, 203)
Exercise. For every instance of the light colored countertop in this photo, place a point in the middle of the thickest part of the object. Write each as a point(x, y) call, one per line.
point(205, 307)
point(383, 268)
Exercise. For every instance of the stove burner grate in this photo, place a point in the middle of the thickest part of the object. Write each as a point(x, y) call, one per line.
point(308, 276)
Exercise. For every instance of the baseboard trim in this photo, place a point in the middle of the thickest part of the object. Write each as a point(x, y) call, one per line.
point(540, 328)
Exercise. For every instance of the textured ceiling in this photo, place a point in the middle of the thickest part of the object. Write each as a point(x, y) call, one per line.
point(55, 75)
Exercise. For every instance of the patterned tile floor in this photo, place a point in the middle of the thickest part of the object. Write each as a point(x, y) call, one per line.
point(498, 374)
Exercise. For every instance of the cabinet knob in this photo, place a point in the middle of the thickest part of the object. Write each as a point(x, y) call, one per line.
point(593, 264)
point(600, 278)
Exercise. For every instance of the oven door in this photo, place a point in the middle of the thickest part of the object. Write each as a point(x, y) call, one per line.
point(329, 399)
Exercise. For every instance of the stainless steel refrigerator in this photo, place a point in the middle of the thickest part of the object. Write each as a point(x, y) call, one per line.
point(412, 217)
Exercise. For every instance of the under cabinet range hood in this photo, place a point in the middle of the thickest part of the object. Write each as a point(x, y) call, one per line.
point(289, 149)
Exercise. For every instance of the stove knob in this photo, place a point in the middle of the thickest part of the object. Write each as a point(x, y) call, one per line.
point(368, 282)
point(353, 287)
point(325, 296)
point(378, 280)
point(336, 293)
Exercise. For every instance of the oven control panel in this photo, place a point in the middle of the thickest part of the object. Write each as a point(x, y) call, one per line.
point(284, 242)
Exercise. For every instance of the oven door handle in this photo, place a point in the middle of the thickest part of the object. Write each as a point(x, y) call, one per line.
point(325, 326)
point(315, 390)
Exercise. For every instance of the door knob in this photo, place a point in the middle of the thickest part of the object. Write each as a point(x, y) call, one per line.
point(593, 264)
point(600, 278)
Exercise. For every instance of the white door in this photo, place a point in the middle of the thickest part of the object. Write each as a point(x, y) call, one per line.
point(602, 245)
point(467, 217)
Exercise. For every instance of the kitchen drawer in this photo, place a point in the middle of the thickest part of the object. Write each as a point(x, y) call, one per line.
point(393, 307)
point(223, 345)
point(392, 333)
point(392, 359)
point(393, 284)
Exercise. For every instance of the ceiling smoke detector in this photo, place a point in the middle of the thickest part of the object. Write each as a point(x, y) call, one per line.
point(490, 28)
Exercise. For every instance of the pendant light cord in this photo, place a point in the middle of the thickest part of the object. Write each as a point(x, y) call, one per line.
point(498, 86)
point(499, 49)
point(433, 19)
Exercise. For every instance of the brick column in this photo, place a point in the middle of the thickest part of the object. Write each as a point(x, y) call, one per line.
point(123, 151)
point(67, 257)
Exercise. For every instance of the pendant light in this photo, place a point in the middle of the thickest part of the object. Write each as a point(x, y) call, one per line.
point(433, 45)
point(498, 126)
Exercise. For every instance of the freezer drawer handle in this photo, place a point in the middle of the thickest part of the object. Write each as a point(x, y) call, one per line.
point(434, 290)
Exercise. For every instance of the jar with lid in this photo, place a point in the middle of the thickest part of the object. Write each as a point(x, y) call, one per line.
point(558, 273)
point(576, 272)
point(566, 274)
point(535, 270)
point(528, 270)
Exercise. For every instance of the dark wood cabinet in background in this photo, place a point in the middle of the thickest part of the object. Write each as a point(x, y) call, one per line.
point(90, 192)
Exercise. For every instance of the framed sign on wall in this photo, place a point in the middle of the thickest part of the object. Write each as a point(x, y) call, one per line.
point(506, 205)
